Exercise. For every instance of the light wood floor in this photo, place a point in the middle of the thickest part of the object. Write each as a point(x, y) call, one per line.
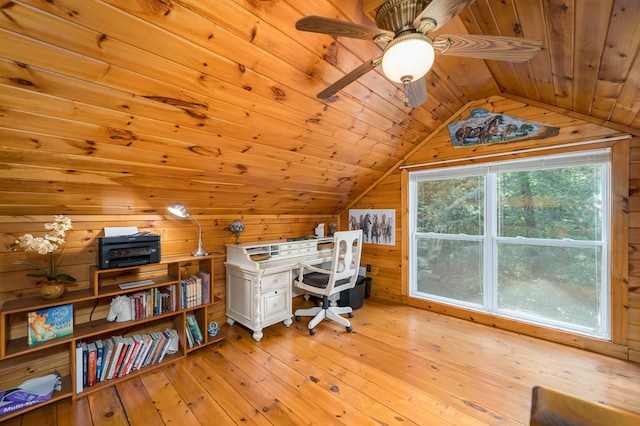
point(399, 366)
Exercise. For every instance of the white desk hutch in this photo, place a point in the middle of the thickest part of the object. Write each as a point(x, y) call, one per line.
point(260, 279)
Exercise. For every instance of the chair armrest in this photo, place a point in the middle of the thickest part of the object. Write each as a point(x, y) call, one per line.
point(304, 266)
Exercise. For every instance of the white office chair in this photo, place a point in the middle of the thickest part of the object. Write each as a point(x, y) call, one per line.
point(325, 283)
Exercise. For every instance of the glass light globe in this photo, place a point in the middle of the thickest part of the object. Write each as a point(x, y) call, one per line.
point(408, 58)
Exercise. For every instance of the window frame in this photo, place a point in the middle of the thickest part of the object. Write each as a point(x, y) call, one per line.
point(491, 240)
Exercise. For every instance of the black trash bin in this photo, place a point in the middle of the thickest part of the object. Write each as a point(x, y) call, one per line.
point(355, 296)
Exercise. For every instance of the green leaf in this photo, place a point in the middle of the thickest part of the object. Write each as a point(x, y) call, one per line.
point(64, 277)
point(43, 275)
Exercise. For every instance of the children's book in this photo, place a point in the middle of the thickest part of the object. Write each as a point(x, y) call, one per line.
point(49, 323)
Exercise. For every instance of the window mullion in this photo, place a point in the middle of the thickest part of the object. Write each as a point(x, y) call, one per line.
point(490, 248)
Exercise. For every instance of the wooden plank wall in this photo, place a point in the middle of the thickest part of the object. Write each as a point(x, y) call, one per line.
point(389, 263)
point(178, 236)
point(634, 250)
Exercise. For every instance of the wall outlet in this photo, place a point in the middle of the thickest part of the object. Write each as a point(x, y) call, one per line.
point(368, 268)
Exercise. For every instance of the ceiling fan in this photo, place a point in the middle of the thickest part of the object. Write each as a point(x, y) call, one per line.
point(409, 54)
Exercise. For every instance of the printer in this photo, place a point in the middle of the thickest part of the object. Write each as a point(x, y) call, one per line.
point(128, 250)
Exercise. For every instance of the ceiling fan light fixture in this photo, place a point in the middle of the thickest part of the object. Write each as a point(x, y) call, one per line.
point(408, 58)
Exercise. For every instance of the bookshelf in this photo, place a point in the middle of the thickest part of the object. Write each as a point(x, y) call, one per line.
point(174, 276)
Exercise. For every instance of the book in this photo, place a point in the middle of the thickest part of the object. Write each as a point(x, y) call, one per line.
point(79, 380)
point(144, 349)
point(85, 363)
point(206, 286)
point(196, 290)
point(153, 343)
point(190, 338)
point(139, 304)
point(137, 342)
point(171, 291)
point(49, 323)
point(187, 293)
point(160, 341)
point(92, 354)
point(119, 343)
point(190, 300)
point(106, 358)
point(124, 355)
point(192, 324)
point(174, 345)
point(171, 336)
point(148, 305)
point(99, 359)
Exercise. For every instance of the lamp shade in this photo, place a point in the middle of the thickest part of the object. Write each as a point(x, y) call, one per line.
point(408, 58)
point(178, 209)
point(237, 226)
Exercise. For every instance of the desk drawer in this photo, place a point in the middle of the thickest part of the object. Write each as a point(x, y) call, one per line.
point(290, 252)
point(281, 279)
point(276, 306)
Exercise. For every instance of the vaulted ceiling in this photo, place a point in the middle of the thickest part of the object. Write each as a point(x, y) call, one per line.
point(124, 106)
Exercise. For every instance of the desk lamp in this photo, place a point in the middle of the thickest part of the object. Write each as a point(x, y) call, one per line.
point(179, 209)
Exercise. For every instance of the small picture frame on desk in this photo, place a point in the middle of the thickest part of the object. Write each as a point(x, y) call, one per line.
point(49, 324)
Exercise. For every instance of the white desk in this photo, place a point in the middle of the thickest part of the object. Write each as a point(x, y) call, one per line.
point(260, 279)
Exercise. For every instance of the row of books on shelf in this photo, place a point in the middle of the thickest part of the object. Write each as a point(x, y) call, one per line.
point(154, 301)
point(193, 291)
point(118, 356)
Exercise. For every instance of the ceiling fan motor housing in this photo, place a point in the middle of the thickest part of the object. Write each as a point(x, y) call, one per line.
point(398, 15)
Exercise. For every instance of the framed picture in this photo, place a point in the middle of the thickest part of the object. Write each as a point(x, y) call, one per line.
point(378, 225)
point(484, 127)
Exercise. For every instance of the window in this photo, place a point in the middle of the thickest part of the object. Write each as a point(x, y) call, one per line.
point(525, 239)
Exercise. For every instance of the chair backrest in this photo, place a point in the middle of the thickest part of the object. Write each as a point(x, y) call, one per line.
point(345, 263)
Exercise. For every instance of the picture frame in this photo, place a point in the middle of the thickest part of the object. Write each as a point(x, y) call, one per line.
point(378, 225)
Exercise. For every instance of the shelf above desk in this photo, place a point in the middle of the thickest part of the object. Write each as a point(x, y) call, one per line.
point(269, 254)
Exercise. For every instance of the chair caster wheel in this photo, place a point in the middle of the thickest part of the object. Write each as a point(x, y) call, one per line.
point(350, 314)
point(312, 331)
point(349, 329)
point(297, 317)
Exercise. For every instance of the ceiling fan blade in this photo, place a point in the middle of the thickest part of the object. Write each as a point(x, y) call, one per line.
point(320, 24)
point(441, 11)
point(511, 49)
point(415, 93)
point(349, 78)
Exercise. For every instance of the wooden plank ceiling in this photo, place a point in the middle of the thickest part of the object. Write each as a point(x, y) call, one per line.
point(123, 106)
